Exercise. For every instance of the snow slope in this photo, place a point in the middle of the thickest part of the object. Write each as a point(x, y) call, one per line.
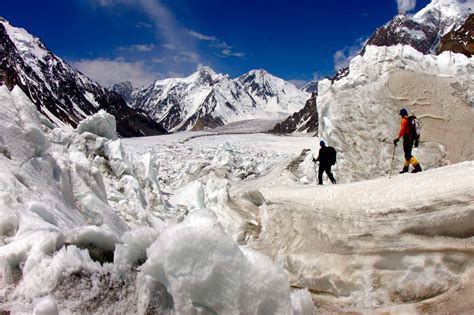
point(399, 245)
point(445, 14)
point(437, 88)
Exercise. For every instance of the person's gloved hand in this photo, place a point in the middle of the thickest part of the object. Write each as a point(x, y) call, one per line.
point(416, 143)
point(395, 141)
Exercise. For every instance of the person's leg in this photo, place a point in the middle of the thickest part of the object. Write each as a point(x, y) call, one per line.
point(407, 145)
point(320, 174)
point(416, 165)
point(331, 177)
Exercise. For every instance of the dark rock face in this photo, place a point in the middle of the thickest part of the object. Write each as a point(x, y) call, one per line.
point(460, 40)
point(207, 122)
point(404, 30)
point(304, 120)
point(62, 93)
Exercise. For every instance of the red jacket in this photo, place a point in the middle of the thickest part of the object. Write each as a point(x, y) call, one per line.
point(404, 131)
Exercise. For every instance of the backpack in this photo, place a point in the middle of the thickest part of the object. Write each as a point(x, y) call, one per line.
point(331, 155)
point(414, 127)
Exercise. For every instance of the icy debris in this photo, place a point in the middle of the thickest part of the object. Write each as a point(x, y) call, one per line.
point(99, 242)
point(45, 306)
point(116, 157)
point(61, 190)
point(132, 252)
point(204, 270)
point(45, 272)
point(302, 302)
point(101, 123)
point(225, 157)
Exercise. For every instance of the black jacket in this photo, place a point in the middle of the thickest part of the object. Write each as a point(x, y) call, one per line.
point(327, 156)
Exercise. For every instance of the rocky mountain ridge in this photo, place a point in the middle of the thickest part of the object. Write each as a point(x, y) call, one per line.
point(61, 93)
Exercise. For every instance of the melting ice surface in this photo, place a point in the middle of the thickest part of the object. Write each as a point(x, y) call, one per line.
point(87, 228)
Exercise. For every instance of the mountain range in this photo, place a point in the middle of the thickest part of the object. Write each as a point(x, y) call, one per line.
point(206, 99)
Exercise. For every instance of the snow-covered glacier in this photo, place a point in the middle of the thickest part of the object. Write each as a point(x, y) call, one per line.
point(95, 224)
point(86, 229)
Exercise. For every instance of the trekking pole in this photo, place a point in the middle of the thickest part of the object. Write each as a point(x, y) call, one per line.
point(391, 163)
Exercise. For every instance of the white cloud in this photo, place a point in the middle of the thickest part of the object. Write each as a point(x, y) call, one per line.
point(160, 16)
point(186, 56)
point(229, 53)
point(226, 50)
point(169, 46)
point(343, 57)
point(406, 5)
point(108, 72)
point(221, 45)
point(158, 60)
point(201, 36)
point(139, 47)
point(317, 76)
point(144, 25)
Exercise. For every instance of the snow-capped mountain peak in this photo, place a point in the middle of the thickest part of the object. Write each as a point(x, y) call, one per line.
point(30, 47)
point(445, 14)
point(205, 76)
point(424, 30)
point(215, 99)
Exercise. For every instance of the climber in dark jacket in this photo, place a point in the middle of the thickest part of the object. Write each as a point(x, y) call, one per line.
point(326, 158)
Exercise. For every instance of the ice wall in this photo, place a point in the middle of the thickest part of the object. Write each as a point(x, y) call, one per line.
point(359, 113)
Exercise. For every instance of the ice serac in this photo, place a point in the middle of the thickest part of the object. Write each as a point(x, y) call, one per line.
point(438, 89)
point(61, 93)
point(206, 99)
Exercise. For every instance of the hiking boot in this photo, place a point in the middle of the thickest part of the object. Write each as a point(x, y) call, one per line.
point(417, 169)
point(404, 170)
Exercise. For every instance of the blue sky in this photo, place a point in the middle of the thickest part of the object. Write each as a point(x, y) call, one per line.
point(143, 40)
